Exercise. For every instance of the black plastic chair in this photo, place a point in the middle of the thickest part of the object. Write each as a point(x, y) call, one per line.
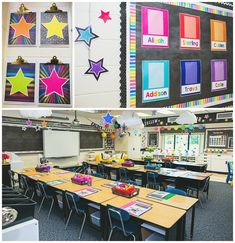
point(47, 194)
point(121, 220)
point(153, 180)
point(101, 170)
point(123, 174)
point(75, 205)
point(12, 178)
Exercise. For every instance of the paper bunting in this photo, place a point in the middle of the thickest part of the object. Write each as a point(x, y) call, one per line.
point(105, 16)
point(218, 35)
point(22, 29)
point(85, 35)
point(108, 118)
point(54, 28)
point(218, 74)
point(155, 27)
point(29, 123)
point(20, 82)
point(155, 80)
point(54, 84)
point(189, 31)
point(190, 77)
point(96, 68)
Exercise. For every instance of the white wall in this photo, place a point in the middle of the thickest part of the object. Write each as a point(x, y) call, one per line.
point(35, 54)
point(105, 91)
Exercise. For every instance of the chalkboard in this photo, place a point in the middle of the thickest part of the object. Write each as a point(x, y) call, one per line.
point(174, 54)
point(17, 140)
point(90, 140)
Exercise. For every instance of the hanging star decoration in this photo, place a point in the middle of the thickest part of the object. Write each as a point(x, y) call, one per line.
point(54, 84)
point(105, 16)
point(22, 28)
point(29, 123)
point(44, 123)
point(37, 128)
point(85, 35)
point(19, 83)
point(54, 27)
point(24, 128)
point(96, 68)
point(108, 118)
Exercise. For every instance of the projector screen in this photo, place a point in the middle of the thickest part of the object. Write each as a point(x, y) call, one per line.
point(60, 144)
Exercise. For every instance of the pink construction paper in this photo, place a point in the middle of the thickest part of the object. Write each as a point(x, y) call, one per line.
point(155, 22)
point(190, 30)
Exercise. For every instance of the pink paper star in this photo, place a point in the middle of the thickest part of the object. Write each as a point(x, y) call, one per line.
point(54, 84)
point(105, 16)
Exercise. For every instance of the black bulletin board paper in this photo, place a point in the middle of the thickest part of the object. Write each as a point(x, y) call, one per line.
point(174, 54)
point(90, 140)
point(14, 139)
point(214, 133)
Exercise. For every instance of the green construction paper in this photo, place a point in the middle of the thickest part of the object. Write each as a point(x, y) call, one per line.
point(19, 83)
point(168, 196)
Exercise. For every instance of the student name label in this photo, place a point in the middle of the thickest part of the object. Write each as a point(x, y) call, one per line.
point(219, 85)
point(156, 94)
point(150, 40)
point(218, 45)
point(189, 43)
point(190, 89)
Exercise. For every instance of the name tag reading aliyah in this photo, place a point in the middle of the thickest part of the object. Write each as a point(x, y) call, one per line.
point(155, 27)
point(189, 31)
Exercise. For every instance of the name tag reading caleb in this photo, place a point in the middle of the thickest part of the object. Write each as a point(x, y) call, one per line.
point(155, 27)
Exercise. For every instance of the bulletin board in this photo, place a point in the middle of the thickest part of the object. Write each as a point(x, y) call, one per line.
point(180, 56)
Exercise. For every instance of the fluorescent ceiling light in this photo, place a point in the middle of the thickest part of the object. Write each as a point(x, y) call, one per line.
point(142, 114)
point(166, 112)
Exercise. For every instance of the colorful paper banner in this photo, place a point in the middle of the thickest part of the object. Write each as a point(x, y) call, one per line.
point(218, 35)
point(189, 31)
point(218, 74)
point(155, 27)
point(190, 71)
point(155, 80)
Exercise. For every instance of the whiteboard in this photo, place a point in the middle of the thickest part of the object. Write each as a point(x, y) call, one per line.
point(60, 143)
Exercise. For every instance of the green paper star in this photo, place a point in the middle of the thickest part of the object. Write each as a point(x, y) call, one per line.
point(19, 83)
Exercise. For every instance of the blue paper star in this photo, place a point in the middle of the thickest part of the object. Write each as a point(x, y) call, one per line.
point(108, 118)
point(85, 35)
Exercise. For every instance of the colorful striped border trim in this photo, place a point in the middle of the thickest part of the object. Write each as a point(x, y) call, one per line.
point(132, 55)
point(201, 102)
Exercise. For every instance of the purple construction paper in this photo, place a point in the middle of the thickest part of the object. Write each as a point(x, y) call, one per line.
point(191, 73)
point(218, 70)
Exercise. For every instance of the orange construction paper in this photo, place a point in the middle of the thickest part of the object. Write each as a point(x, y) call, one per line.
point(190, 29)
point(218, 30)
point(22, 28)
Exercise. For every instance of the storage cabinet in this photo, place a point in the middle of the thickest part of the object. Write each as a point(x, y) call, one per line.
point(217, 162)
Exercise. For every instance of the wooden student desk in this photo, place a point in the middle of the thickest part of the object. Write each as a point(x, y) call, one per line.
point(165, 217)
point(177, 201)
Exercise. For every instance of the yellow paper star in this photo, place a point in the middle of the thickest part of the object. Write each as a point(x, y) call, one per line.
point(55, 28)
point(44, 123)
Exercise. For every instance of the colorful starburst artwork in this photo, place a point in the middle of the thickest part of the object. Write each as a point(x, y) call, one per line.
point(22, 29)
point(20, 82)
point(54, 29)
point(54, 84)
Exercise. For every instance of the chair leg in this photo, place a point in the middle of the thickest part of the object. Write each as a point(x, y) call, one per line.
point(68, 219)
point(32, 195)
point(133, 236)
point(110, 234)
point(25, 193)
point(52, 203)
point(83, 223)
point(41, 204)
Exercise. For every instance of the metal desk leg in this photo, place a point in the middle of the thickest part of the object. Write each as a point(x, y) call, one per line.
point(104, 223)
point(192, 221)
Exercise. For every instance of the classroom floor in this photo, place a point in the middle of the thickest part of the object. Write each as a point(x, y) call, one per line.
point(213, 222)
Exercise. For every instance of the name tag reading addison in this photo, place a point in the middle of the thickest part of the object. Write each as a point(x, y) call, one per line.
point(156, 94)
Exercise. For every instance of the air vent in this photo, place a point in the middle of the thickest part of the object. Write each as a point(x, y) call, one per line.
point(224, 115)
point(171, 119)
